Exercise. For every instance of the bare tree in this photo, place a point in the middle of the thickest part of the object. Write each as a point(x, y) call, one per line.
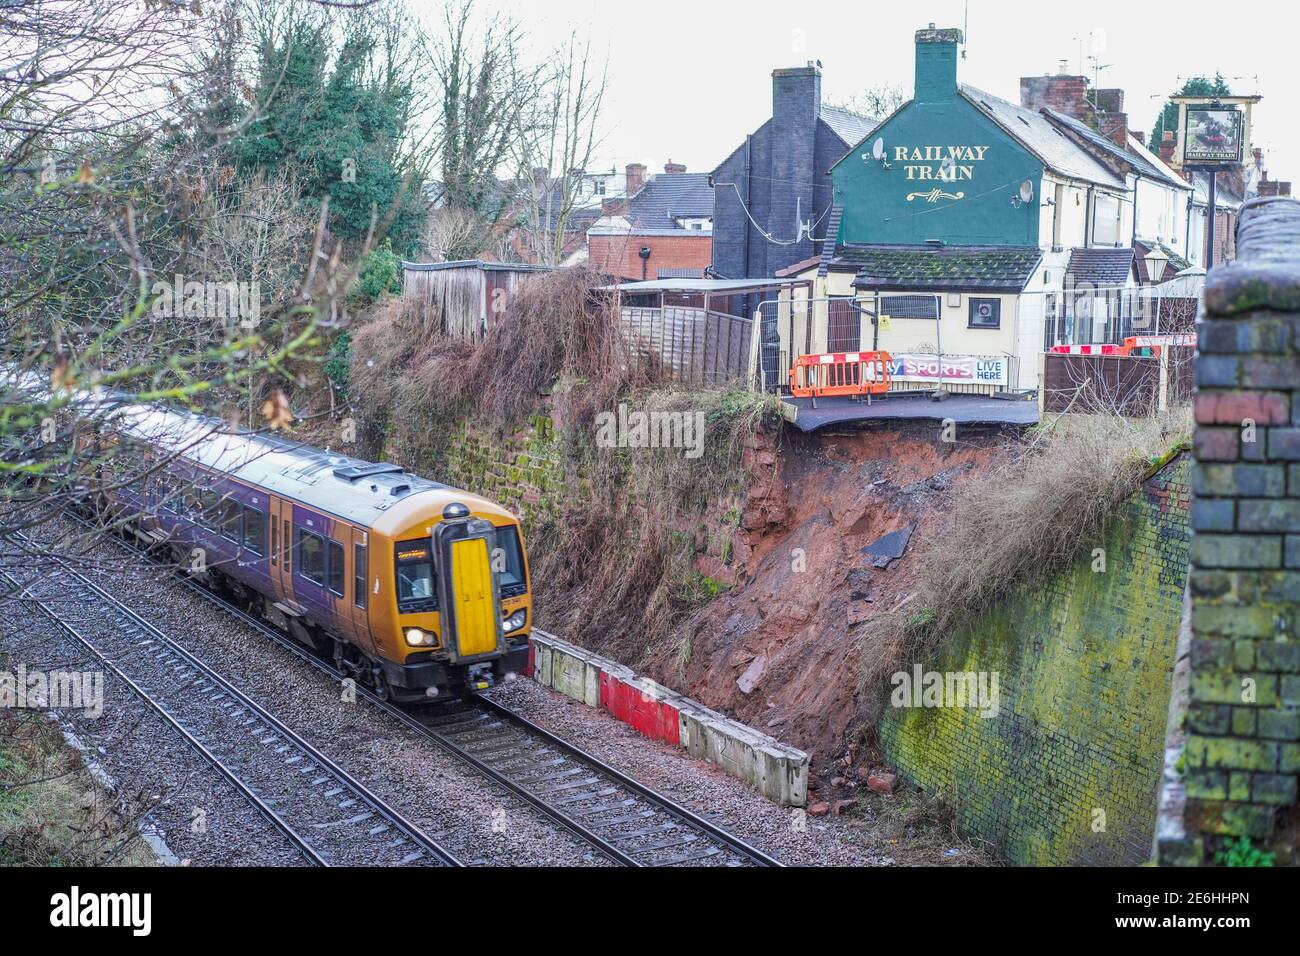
point(875, 102)
point(557, 146)
point(485, 90)
point(121, 233)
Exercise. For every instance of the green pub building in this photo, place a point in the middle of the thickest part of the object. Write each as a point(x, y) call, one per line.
point(982, 231)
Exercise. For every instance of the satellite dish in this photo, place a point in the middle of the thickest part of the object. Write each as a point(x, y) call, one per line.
point(1026, 191)
point(878, 149)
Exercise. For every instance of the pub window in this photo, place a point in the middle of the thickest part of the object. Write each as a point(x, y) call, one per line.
point(985, 313)
point(336, 568)
point(311, 556)
point(910, 306)
point(254, 530)
point(359, 575)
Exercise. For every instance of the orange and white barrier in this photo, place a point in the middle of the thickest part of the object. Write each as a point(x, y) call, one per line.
point(840, 373)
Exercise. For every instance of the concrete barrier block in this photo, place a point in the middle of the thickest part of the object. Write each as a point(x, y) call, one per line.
point(542, 663)
point(779, 772)
point(569, 673)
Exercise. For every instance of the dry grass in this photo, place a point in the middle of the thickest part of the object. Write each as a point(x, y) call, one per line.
point(1025, 519)
point(614, 568)
point(52, 813)
point(617, 569)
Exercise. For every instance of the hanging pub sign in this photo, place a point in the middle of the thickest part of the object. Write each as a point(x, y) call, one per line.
point(1212, 135)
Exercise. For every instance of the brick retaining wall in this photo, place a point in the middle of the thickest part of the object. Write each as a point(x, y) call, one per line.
point(1242, 750)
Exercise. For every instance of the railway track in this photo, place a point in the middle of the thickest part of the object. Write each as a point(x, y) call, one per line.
point(327, 814)
point(626, 821)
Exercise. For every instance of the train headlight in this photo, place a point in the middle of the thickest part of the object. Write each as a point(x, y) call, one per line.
point(416, 637)
point(515, 621)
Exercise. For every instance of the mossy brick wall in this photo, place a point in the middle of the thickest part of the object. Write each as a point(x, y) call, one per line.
point(1242, 750)
point(1068, 769)
point(520, 469)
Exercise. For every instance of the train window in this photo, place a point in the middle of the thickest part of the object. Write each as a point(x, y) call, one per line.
point(415, 589)
point(336, 568)
point(311, 556)
point(288, 546)
point(229, 517)
point(275, 542)
point(359, 575)
point(508, 562)
point(254, 530)
point(170, 495)
point(208, 502)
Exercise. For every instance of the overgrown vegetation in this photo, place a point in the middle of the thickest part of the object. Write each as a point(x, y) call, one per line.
point(52, 813)
point(1241, 852)
point(613, 562)
point(1023, 520)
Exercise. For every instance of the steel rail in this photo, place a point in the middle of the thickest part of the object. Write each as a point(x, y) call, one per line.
point(216, 762)
point(375, 803)
point(674, 810)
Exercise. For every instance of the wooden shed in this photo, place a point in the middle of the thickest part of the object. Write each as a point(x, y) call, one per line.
point(460, 298)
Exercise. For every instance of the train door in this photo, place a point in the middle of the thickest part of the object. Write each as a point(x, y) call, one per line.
point(280, 515)
point(360, 589)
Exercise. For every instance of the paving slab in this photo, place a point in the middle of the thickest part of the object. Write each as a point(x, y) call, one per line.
point(962, 409)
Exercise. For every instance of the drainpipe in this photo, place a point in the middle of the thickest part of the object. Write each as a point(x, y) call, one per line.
point(1136, 182)
point(644, 253)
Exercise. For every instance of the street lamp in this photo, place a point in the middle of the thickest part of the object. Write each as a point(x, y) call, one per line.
point(1157, 260)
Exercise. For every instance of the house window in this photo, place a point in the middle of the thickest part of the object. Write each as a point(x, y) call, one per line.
point(985, 313)
point(910, 307)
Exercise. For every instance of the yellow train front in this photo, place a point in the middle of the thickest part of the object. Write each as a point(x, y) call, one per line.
point(458, 607)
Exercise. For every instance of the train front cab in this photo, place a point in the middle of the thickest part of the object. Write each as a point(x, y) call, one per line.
point(461, 604)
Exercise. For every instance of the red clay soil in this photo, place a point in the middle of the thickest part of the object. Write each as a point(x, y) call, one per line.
point(780, 649)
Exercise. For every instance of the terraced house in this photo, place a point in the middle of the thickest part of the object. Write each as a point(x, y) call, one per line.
point(982, 230)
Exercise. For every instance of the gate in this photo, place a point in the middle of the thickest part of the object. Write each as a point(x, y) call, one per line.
point(815, 326)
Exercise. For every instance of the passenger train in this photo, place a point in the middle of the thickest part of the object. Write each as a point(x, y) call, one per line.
point(416, 588)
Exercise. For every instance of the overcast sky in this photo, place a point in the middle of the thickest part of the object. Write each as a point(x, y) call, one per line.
point(689, 78)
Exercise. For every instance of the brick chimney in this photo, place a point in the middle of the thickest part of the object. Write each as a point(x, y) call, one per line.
point(1167, 146)
point(1112, 120)
point(635, 178)
point(796, 111)
point(671, 167)
point(1138, 135)
point(1064, 93)
point(936, 64)
point(615, 206)
point(1114, 126)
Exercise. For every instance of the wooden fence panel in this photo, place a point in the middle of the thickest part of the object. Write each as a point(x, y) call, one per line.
point(704, 348)
point(1090, 383)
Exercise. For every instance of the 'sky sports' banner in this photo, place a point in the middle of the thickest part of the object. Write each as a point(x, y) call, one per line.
point(972, 369)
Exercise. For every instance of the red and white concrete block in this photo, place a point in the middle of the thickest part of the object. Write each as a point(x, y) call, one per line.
point(778, 771)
